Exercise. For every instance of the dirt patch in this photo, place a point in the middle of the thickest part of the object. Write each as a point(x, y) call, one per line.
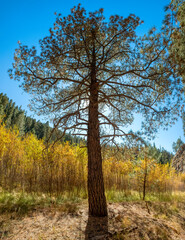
point(132, 221)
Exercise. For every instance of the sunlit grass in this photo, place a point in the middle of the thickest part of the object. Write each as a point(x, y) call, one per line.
point(121, 196)
point(166, 197)
point(22, 203)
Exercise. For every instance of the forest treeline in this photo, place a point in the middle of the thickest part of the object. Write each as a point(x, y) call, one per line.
point(27, 165)
point(13, 116)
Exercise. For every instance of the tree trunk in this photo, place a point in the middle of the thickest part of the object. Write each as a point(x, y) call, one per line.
point(96, 192)
point(144, 185)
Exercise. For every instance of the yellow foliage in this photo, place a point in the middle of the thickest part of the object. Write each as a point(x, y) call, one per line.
point(27, 164)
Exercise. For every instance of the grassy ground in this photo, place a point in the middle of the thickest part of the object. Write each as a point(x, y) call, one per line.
point(118, 196)
point(41, 217)
point(22, 203)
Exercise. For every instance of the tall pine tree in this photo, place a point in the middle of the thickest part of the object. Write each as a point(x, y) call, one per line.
point(93, 75)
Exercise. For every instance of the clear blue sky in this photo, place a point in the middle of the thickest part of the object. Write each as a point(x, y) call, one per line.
point(30, 20)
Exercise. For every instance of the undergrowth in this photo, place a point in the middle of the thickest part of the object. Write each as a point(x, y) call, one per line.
point(22, 203)
point(120, 196)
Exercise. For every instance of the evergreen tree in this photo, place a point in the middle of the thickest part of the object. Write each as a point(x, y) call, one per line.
point(159, 154)
point(175, 28)
point(3, 103)
point(18, 120)
point(175, 22)
point(92, 75)
point(14, 116)
point(9, 110)
point(11, 114)
point(176, 145)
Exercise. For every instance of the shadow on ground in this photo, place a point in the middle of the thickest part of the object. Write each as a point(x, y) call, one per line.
point(97, 228)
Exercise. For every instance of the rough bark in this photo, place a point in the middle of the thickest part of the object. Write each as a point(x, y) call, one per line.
point(96, 192)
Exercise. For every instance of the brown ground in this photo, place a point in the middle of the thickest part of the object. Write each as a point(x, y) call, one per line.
point(129, 221)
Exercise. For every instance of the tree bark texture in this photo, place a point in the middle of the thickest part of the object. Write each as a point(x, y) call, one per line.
point(96, 191)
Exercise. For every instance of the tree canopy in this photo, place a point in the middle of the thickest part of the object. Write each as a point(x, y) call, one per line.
point(133, 72)
point(174, 26)
point(175, 21)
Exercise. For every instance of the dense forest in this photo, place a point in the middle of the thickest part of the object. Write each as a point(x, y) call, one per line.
point(27, 165)
point(14, 117)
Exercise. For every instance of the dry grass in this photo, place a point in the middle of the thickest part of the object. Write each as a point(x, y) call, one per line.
point(128, 220)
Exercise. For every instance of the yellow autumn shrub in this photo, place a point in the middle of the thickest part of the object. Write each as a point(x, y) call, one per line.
point(27, 165)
